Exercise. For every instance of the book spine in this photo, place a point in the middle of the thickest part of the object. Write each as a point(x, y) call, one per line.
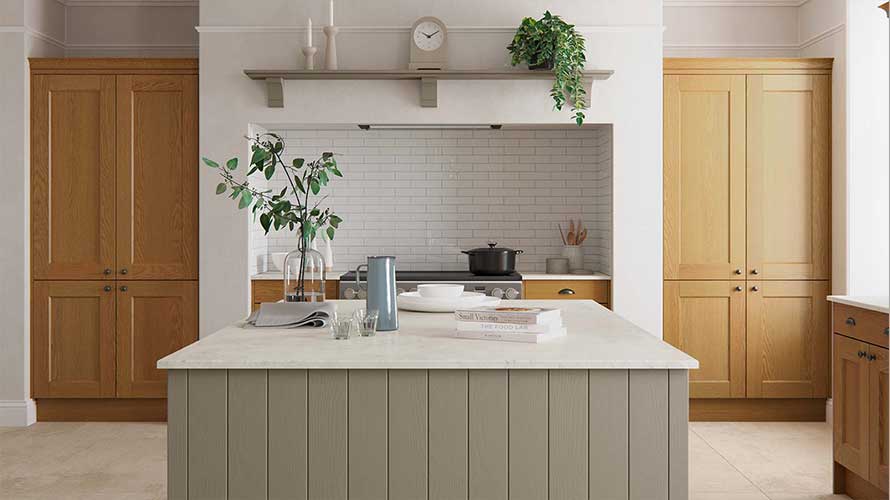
point(528, 338)
point(503, 327)
point(518, 319)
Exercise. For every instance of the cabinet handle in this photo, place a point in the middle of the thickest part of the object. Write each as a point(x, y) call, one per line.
point(567, 291)
point(106, 272)
point(850, 321)
point(755, 289)
point(738, 288)
point(861, 354)
point(124, 288)
point(887, 331)
point(754, 271)
point(107, 288)
point(872, 357)
point(124, 271)
point(738, 271)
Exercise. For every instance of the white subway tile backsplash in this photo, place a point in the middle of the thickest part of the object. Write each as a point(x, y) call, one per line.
point(424, 195)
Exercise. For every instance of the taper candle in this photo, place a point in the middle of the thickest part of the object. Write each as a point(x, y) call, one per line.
point(309, 33)
point(331, 14)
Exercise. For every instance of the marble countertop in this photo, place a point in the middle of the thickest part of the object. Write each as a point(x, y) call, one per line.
point(277, 275)
point(879, 304)
point(597, 339)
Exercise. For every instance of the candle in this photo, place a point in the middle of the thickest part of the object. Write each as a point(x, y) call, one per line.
point(309, 33)
point(331, 14)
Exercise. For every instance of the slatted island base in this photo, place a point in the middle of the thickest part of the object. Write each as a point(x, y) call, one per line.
point(601, 414)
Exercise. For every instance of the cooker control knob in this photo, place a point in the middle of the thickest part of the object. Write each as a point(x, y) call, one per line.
point(497, 292)
point(362, 294)
point(349, 293)
point(512, 293)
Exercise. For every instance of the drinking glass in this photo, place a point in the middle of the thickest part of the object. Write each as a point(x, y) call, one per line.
point(366, 319)
point(341, 327)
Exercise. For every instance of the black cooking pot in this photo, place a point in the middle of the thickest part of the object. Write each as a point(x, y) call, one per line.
point(492, 261)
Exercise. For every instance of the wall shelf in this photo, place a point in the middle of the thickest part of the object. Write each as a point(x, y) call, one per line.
point(428, 79)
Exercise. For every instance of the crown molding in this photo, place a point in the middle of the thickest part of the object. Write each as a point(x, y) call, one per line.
point(822, 36)
point(407, 29)
point(129, 3)
point(734, 3)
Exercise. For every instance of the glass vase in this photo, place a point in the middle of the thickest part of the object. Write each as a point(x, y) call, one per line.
point(304, 275)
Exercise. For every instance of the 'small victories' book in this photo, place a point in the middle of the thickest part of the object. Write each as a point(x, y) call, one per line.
point(514, 315)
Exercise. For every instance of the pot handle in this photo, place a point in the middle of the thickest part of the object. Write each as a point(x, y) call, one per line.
point(465, 251)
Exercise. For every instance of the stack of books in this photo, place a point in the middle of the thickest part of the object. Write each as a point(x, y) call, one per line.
point(510, 324)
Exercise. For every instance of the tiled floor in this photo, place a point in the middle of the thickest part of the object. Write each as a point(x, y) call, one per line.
point(97, 461)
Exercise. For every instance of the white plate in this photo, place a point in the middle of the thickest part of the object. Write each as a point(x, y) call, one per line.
point(412, 301)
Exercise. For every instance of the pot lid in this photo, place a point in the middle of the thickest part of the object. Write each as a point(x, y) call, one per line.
point(492, 248)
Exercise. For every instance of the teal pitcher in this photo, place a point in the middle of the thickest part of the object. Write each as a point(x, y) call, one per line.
point(381, 290)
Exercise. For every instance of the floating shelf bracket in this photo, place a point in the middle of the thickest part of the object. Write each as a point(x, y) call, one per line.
point(429, 80)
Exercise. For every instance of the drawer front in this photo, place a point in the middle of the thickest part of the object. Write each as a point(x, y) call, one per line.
point(273, 291)
point(862, 324)
point(567, 290)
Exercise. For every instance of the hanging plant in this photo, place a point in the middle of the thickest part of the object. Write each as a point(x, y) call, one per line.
point(550, 43)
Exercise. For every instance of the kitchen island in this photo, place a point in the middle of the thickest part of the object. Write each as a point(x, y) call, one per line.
point(266, 413)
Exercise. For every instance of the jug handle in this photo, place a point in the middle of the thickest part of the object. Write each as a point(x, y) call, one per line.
point(358, 274)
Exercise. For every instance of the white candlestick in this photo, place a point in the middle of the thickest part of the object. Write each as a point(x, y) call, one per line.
point(309, 33)
point(331, 14)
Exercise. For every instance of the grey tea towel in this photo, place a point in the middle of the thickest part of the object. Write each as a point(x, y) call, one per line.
point(293, 314)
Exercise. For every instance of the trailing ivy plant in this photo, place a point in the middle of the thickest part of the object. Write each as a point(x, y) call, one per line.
point(298, 205)
point(551, 43)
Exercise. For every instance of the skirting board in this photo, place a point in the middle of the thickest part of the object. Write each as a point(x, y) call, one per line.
point(20, 413)
point(102, 410)
point(757, 410)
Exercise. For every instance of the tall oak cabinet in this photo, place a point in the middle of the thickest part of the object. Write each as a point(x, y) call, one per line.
point(747, 232)
point(114, 240)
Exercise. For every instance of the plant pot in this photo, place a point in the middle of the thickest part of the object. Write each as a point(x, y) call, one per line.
point(543, 66)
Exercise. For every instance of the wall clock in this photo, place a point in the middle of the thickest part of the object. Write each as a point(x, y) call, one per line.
point(429, 44)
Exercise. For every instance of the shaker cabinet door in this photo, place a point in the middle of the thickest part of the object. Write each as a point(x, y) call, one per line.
point(706, 319)
point(154, 319)
point(850, 403)
point(72, 339)
point(72, 176)
point(878, 415)
point(704, 177)
point(789, 176)
point(157, 162)
point(788, 339)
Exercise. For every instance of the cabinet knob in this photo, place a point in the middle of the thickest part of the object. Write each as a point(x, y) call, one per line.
point(738, 271)
point(872, 357)
point(567, 291)
point(124, 288)
point(887, 331)
point(755, 289)
point(861, 354)
point(124, 271)
point(850, 321)
point(755, 271)
point(106, 272)
point(738, 288)
point(107, 288)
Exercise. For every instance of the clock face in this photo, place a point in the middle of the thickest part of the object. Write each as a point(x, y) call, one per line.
point(429, 36)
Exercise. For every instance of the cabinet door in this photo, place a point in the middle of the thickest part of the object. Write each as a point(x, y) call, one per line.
point(154, 319)
point(706, 319)
point(789, 169)
point(72, 339)
point(704, 176)
point(788, 339)
point(878, 415)
point(850, 402)
point(72, 176)
point(157, 161)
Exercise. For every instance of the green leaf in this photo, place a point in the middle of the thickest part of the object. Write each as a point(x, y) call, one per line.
point(269, 172)
point(266, 222)
point(246, 198)
point(335, 221)
point(330, 232)
point(259, 156)
point(323, 177)
point(210, 163)
point(336, 171)
point(298, 162)
point(299, 184)
point(232, 164)
point(314, 187)
point(221, 188)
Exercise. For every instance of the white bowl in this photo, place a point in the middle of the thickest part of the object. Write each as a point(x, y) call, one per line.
point(277, 261)
point(440, 290)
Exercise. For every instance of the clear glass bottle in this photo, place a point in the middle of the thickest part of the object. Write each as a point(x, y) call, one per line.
point(304, 275)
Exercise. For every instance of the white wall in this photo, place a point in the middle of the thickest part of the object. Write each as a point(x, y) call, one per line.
point(867, 148)
point(693, 29)
point(133, 30)
point(625, 36)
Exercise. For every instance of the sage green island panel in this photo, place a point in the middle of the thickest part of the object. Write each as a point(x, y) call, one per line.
point(328, 407)
point(288, 435)
point(247, 431)
point(448, 393)
point(649, 466)
point(177, 435)
point(529, 446)
point(408, 434)
point(568, 434)
point(488, 434)
point(608, 435)
point(207, 434)
point(368, 434)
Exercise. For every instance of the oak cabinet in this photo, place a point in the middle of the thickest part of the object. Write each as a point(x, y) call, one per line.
point(154, 319)
point(704, 177)
point(788, 339)
point(878, 415)
point(706, 319)
point(72, 339)
point(72, 176)
point(596, 290)
point(157, 193)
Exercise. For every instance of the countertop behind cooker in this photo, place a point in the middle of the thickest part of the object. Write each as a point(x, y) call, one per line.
point(525, 276)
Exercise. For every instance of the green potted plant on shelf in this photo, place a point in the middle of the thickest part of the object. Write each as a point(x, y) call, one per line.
point(552, 44)
point(297, 207)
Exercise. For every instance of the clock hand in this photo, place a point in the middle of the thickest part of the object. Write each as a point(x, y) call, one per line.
point(430, 36)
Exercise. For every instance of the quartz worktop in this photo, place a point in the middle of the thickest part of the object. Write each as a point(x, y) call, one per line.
point(597, 339)
point(878, 304)
point(277, 275)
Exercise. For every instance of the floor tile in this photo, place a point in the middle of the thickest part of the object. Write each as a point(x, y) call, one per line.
point(711, 473)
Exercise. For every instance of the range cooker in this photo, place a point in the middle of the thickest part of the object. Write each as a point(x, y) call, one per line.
point(503, 287)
